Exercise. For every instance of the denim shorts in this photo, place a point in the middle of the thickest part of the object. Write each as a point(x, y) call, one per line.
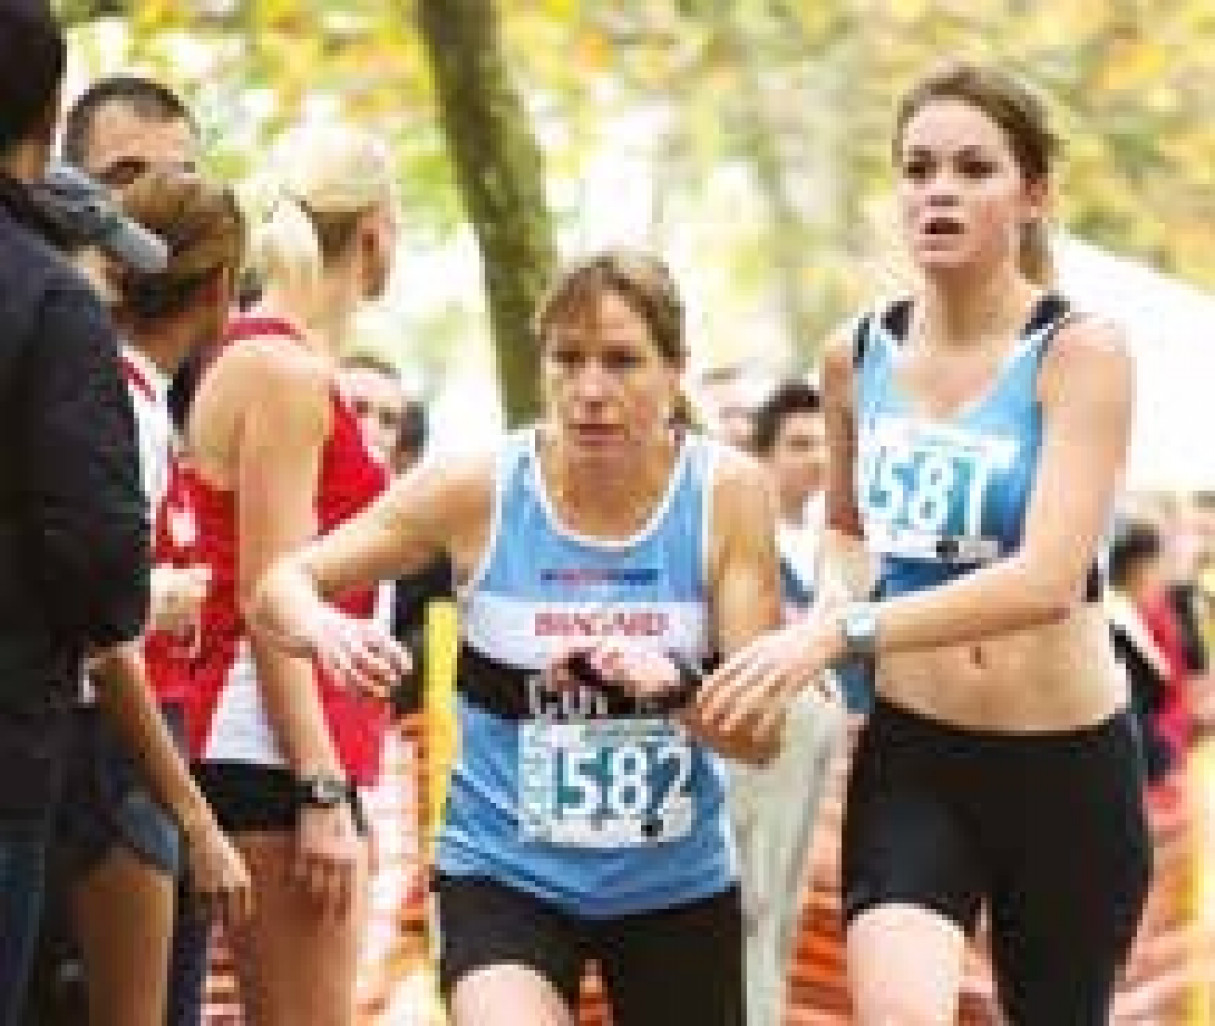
point(22, 856)
point(106, 803)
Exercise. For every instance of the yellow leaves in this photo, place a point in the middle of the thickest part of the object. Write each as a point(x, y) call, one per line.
point(1131, 79)
point(592, 50)
point(1131, 64)
point(907, 10)
point(1050, 22)
point(151, 16)
point(281, 14)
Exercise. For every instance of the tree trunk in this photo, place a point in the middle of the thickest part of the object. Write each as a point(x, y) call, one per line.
point(499, 169)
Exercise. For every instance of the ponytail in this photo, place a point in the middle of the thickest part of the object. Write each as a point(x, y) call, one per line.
point(325, 177)
point(286, 248)
point(1034, 256)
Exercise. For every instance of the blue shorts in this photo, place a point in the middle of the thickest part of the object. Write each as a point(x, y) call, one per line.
point(106, 803)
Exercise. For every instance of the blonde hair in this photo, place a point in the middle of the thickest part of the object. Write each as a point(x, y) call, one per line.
point(325, 178)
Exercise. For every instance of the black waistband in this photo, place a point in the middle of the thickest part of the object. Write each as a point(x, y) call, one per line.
point(515, 693)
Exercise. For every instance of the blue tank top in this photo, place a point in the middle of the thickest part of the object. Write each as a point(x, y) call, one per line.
point(941, 496)
point(599, 811)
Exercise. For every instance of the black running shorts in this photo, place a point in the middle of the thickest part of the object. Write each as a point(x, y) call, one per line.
point(668, 967)
point(1046, 830)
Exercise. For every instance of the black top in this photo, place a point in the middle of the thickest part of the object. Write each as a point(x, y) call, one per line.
point(74, 536)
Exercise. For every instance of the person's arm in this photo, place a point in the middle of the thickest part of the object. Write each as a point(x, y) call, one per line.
point(744, 584)
point(86, 541)
point(280, 440)
point(424, 514)
point(217, 873)
point(845, 569)
point(1084, 391)
point(746, 602)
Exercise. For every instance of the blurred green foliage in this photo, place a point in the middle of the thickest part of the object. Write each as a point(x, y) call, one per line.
point(796, 95)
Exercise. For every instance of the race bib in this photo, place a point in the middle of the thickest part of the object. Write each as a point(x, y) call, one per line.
point(923, 488)
point(604, 783)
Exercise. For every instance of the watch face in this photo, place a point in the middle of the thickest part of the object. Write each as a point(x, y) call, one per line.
point(331, 791)
point(324, 791)
point(860, 629)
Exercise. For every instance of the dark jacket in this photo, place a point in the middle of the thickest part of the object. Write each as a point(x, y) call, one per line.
point(74, 539)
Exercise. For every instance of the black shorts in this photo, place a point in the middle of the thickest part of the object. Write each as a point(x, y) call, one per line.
point(1046, 829)
point(246, 796)
point(107, 804)
point(669, 967)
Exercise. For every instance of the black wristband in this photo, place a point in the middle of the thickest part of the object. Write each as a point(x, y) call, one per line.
point(691, 677)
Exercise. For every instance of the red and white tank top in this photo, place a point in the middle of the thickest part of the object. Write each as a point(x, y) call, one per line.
point(214, 675)
point(148, 387)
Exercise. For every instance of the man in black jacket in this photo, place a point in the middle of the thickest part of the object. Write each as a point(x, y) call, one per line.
point(73, 529)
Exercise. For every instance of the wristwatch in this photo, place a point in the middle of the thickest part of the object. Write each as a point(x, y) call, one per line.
point(691, 677)
point(678, 698)
point(860, 628)
point(321, 791)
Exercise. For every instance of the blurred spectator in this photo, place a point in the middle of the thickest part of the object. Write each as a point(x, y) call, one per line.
point(393, 422)
point(123, 126)
point(411, 436)
point(282, 757)
point(120, 127)
point(74, 543)
point(374, 390)
point(790, 438)
point(1138, 589)
point(117, 130)
point(1185, 543)
point(394, 427)
point(727, 399)
point(773, 807)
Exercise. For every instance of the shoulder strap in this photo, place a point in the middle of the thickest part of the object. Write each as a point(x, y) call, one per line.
point(135, 377)
point(860, 339)
point(894, 318)
point(897, 318)
point(260, 326)
point(1050, 315)
point(1052, 307)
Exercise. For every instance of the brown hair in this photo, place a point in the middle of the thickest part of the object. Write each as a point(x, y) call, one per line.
point(642, 280)
point(1020, 114)
point(371, 362)
point(201, 224)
